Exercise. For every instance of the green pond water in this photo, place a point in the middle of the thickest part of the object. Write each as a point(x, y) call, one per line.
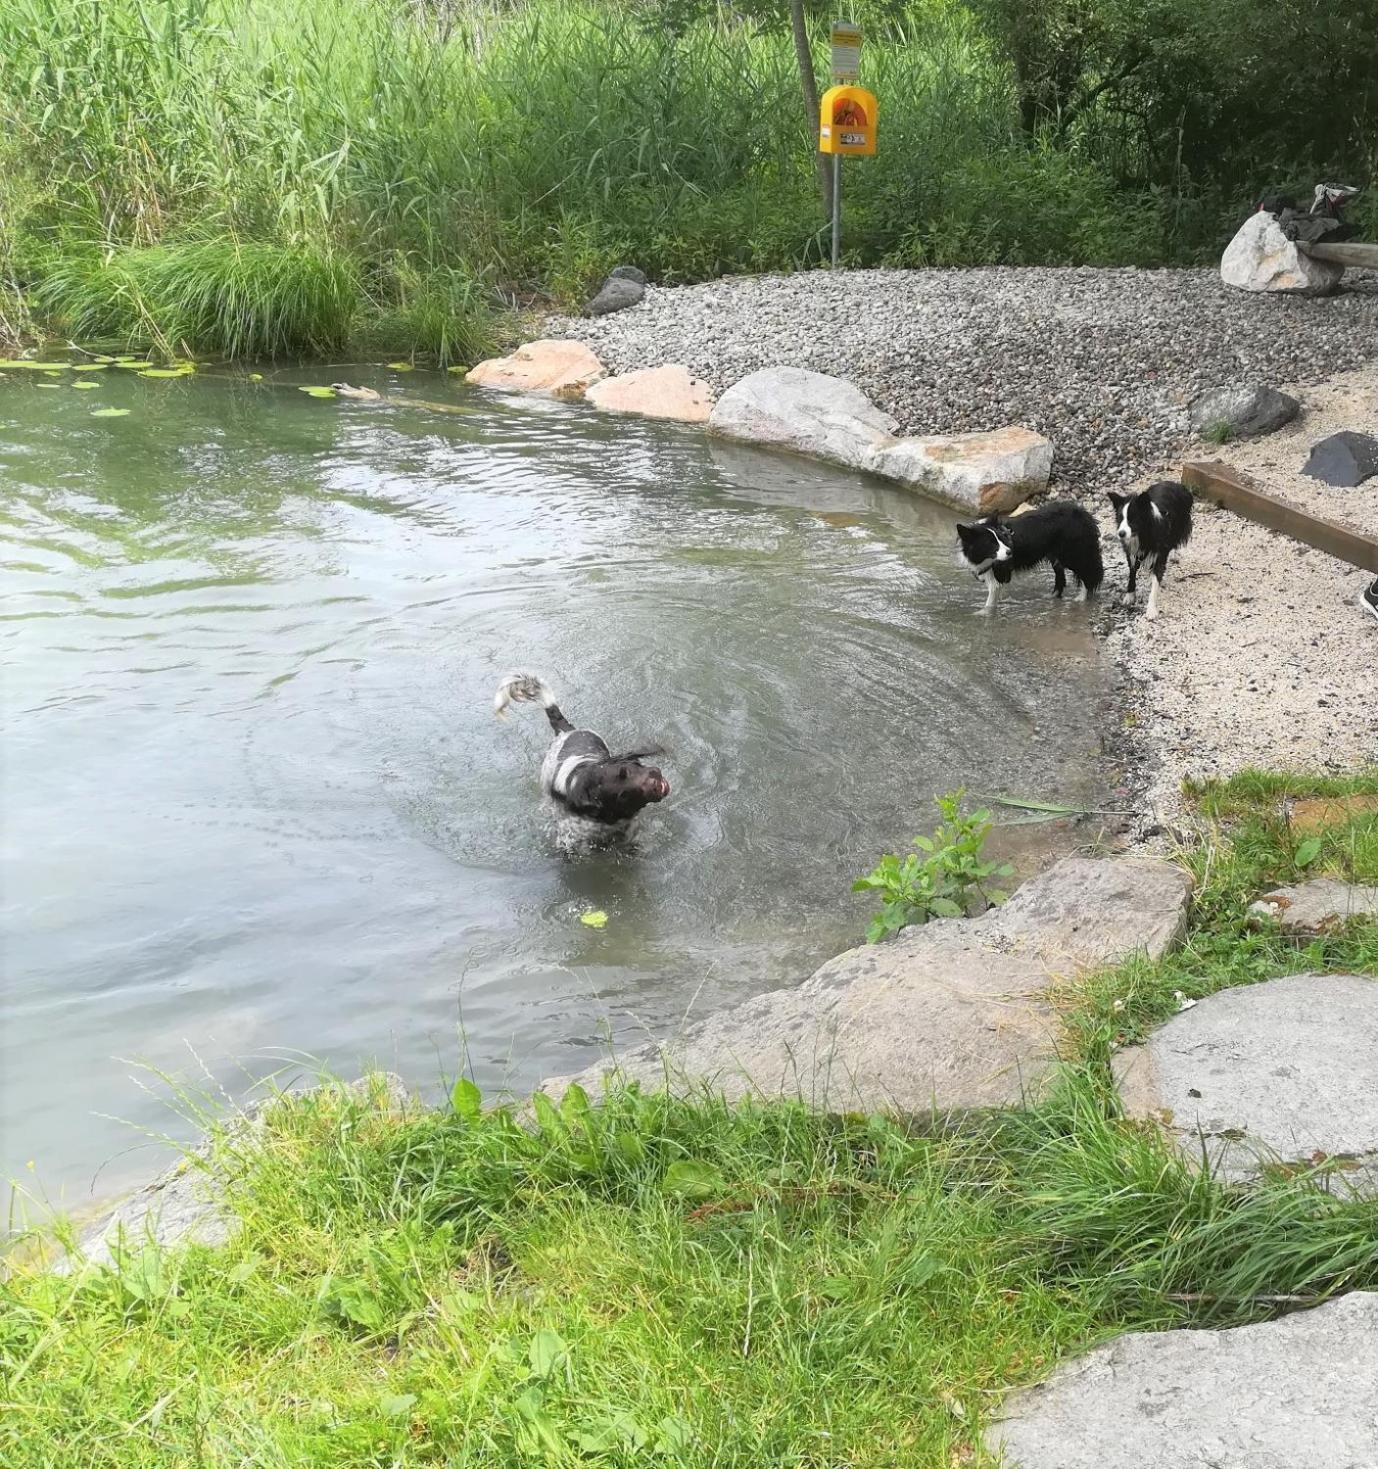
point(258, 815)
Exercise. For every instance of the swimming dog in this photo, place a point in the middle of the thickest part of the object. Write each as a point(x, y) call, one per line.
point(1060, 533)
point(580, 773)
point(1152, 524)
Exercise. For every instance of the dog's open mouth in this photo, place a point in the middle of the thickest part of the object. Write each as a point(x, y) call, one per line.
point(661, 789)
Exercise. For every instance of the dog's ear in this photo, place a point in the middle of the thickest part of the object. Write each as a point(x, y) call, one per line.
point(965, 530)
point(1118, 501)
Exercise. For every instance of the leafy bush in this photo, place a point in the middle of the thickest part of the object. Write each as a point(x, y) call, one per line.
point(944, 876)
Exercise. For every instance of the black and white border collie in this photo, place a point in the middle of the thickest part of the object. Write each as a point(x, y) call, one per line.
point(1060, 533)
point(580, 774)
point(1151, 526)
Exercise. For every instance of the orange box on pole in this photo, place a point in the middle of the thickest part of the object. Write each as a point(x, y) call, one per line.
point(847, 122)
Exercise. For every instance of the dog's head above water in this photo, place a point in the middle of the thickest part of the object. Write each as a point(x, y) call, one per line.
point(980, 544)
point(621, 785)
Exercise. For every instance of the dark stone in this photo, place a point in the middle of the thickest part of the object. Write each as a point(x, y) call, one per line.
point(1344, 459)
point(1247, 411)
point(627, 273)
point(616, 295)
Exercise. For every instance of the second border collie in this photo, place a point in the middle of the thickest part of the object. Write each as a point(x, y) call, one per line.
point(580, 773)
point(1152, 525)
point(1060, 533)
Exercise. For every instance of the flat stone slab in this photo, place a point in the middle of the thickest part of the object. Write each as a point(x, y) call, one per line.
point(1321, 905)
point(943, 1018)
point(1299, 1393)
point(1280, 1071)
point(655, 392)
point(552, 368)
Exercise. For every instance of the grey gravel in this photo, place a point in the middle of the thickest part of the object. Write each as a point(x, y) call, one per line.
point(1104, 362)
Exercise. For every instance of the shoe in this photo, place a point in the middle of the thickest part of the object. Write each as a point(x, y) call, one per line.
point(1368, 599)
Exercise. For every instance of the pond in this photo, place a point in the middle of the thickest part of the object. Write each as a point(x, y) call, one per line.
point(258, 814)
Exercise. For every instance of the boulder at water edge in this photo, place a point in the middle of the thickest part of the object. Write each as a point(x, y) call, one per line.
point(1247, 412)
point(943, 1018)
point(979, 473)
point(809, 412)
point(1292, 1394)
point(1262, 258)
point(555, 369)
point(1282, 1070)
point(655, 392)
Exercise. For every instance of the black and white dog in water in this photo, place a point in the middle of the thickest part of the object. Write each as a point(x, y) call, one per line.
point(580, 774)
point(1151, 526)
point(1061, 533)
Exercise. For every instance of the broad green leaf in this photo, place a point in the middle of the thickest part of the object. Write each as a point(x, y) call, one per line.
point(86, 385)
point(458, 367)
point(547, 1118)
point(90, 366)
point(255, 377)
point(109, 412)
point(693, 1181)
point(166, 372)
point(317, 392)
point(946, 908)
point(32, 366)
point(574, 1105)
point(546, 1352)
point(630, 1146)
point(1307, 853)
point(402, 366)
point(397, 1406)
point(466, 1099)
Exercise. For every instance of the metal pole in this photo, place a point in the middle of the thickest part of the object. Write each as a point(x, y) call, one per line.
point(837, 207)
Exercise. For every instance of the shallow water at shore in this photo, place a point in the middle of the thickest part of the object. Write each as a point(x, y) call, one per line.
point(257, 809)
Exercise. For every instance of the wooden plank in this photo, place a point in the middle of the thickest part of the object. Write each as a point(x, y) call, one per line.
point(1235, 491)
point(1350, 252)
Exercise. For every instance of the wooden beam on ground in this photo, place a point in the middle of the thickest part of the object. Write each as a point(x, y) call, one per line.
point(1235, 491)
point(1351, 252)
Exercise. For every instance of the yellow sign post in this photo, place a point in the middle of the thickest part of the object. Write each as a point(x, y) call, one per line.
point(846, 129)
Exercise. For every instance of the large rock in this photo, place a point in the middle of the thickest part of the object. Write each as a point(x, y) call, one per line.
point(628, 273)
point(1344, 459)
point(942, 1018)
point(1247, 412)
point(655, 392)
point(617, 294)
point(1283, 1070)
point(1299, 1393)
point(1319, 906)
point(808, 412)
point(978, 473)
point(1262, 258)
point(554, 369)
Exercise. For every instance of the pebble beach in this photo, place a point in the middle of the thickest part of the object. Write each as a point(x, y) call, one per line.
point(1262, 655)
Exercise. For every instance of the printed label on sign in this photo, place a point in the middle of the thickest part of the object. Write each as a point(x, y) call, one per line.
point(846, 39)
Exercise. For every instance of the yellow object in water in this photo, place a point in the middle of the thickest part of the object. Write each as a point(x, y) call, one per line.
point(596, 919)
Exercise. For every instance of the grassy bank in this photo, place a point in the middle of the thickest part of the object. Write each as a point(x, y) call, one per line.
point(288, 177)
point(676, 1278)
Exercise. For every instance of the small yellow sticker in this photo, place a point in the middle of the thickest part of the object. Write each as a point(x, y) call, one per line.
point(596, 919)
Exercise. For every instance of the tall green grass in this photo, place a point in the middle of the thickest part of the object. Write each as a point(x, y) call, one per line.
point(269, 175)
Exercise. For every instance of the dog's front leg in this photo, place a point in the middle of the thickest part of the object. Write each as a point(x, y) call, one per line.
point(1159, 571)
point(992, 593)
point(1134, 563)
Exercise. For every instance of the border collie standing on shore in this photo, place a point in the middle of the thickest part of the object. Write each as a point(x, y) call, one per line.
point(580, 774)
point(1152, 524)
point(1060, 533)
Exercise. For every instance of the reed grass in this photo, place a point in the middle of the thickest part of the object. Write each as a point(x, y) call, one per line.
point(296, 169)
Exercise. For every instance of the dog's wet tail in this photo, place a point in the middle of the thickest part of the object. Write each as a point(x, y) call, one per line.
point(527, 688)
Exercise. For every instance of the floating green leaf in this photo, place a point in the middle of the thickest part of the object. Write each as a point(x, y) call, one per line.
point(459, 368)
point(255, 377)
point(402, 366)
point(596, 919)
point(24, 362)
point(109, 412)
point(52, 387)
point(83, 385)
point(466, 1099)
point(89, 366)
point(317, 392)
point(166, 371)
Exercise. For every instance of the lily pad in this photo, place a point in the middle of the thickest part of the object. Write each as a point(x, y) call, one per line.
point(316, 392)
point(110, 413)
point(596, 919)
point(24, 362)
point(459, 367)
point(402, 366)
point(255, 377)
point(89, 366)
point(51, 387)
point(86, 385)
point(167, 372)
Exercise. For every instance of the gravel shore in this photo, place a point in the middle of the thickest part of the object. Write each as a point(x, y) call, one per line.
point(1104, 362)
point(1262, 655)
